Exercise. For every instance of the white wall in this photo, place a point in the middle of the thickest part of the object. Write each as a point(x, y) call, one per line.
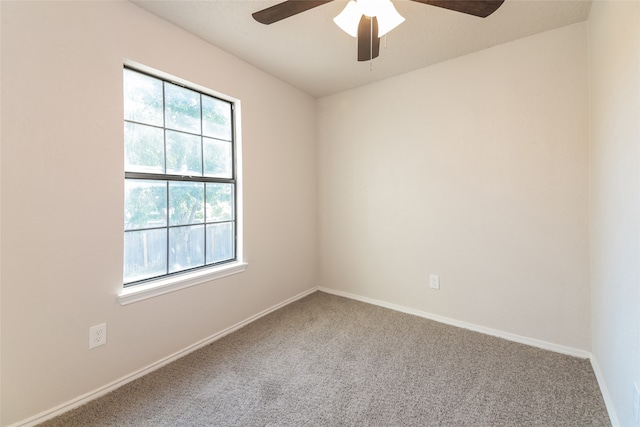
point(62, 199)
point(0, 221)
point(614, 50)
point(474, 169)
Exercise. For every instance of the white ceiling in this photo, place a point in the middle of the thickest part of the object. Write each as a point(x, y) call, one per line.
point(310, 52)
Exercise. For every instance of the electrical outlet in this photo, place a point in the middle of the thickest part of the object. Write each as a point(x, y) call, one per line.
point(97, 335)
point(636, 403)
point(434, 281)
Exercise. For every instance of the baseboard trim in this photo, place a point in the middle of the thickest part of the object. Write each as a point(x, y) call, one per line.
point(87, 397)
point(606, 396)
point(465, 325)
point(92, 395)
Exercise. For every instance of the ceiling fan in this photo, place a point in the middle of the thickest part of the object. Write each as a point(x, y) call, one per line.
point(368, 20)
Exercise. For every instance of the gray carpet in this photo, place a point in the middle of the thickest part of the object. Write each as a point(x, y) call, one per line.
point(330, 361)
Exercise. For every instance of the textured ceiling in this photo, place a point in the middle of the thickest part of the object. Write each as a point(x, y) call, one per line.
point(310, 52)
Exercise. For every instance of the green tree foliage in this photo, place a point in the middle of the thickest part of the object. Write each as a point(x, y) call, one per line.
point(145, 204)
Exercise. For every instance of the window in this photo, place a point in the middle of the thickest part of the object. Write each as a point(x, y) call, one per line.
point(180, 179)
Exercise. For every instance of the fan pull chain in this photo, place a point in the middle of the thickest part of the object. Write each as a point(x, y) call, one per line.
point(371, 45)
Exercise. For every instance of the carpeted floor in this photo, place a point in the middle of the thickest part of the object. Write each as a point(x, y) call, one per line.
point(330, 361)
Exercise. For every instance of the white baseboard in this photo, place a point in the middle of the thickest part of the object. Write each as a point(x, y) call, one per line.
point(613, 416)
point(85, 398)
point(465, 325)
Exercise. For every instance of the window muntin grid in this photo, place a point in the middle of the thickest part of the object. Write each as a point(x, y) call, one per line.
point(180, 183)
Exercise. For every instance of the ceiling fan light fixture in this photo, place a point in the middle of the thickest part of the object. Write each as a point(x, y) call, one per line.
point(388, 18)
point(349, 19)
point(386, 14)
point(371, 8)
point(369, 20)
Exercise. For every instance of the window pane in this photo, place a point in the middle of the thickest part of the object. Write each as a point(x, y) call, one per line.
point(182, 108)
point(145, 254)
point(219, 202)
point(143, 148)
point(184, 154)
point(186, 203)
point(176, 139)
point(145, 204)
point(217, 158)
point(187, 247)
point(216, 118)
point(142, 98)
point(220, 242)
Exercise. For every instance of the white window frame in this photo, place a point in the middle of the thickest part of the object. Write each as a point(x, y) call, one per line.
point(166, 284)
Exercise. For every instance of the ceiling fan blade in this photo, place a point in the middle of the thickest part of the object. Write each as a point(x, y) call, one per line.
point(285, 9)
point(368, 40)
point(481, 8)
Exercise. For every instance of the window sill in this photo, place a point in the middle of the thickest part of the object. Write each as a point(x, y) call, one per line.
point(164, 286)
